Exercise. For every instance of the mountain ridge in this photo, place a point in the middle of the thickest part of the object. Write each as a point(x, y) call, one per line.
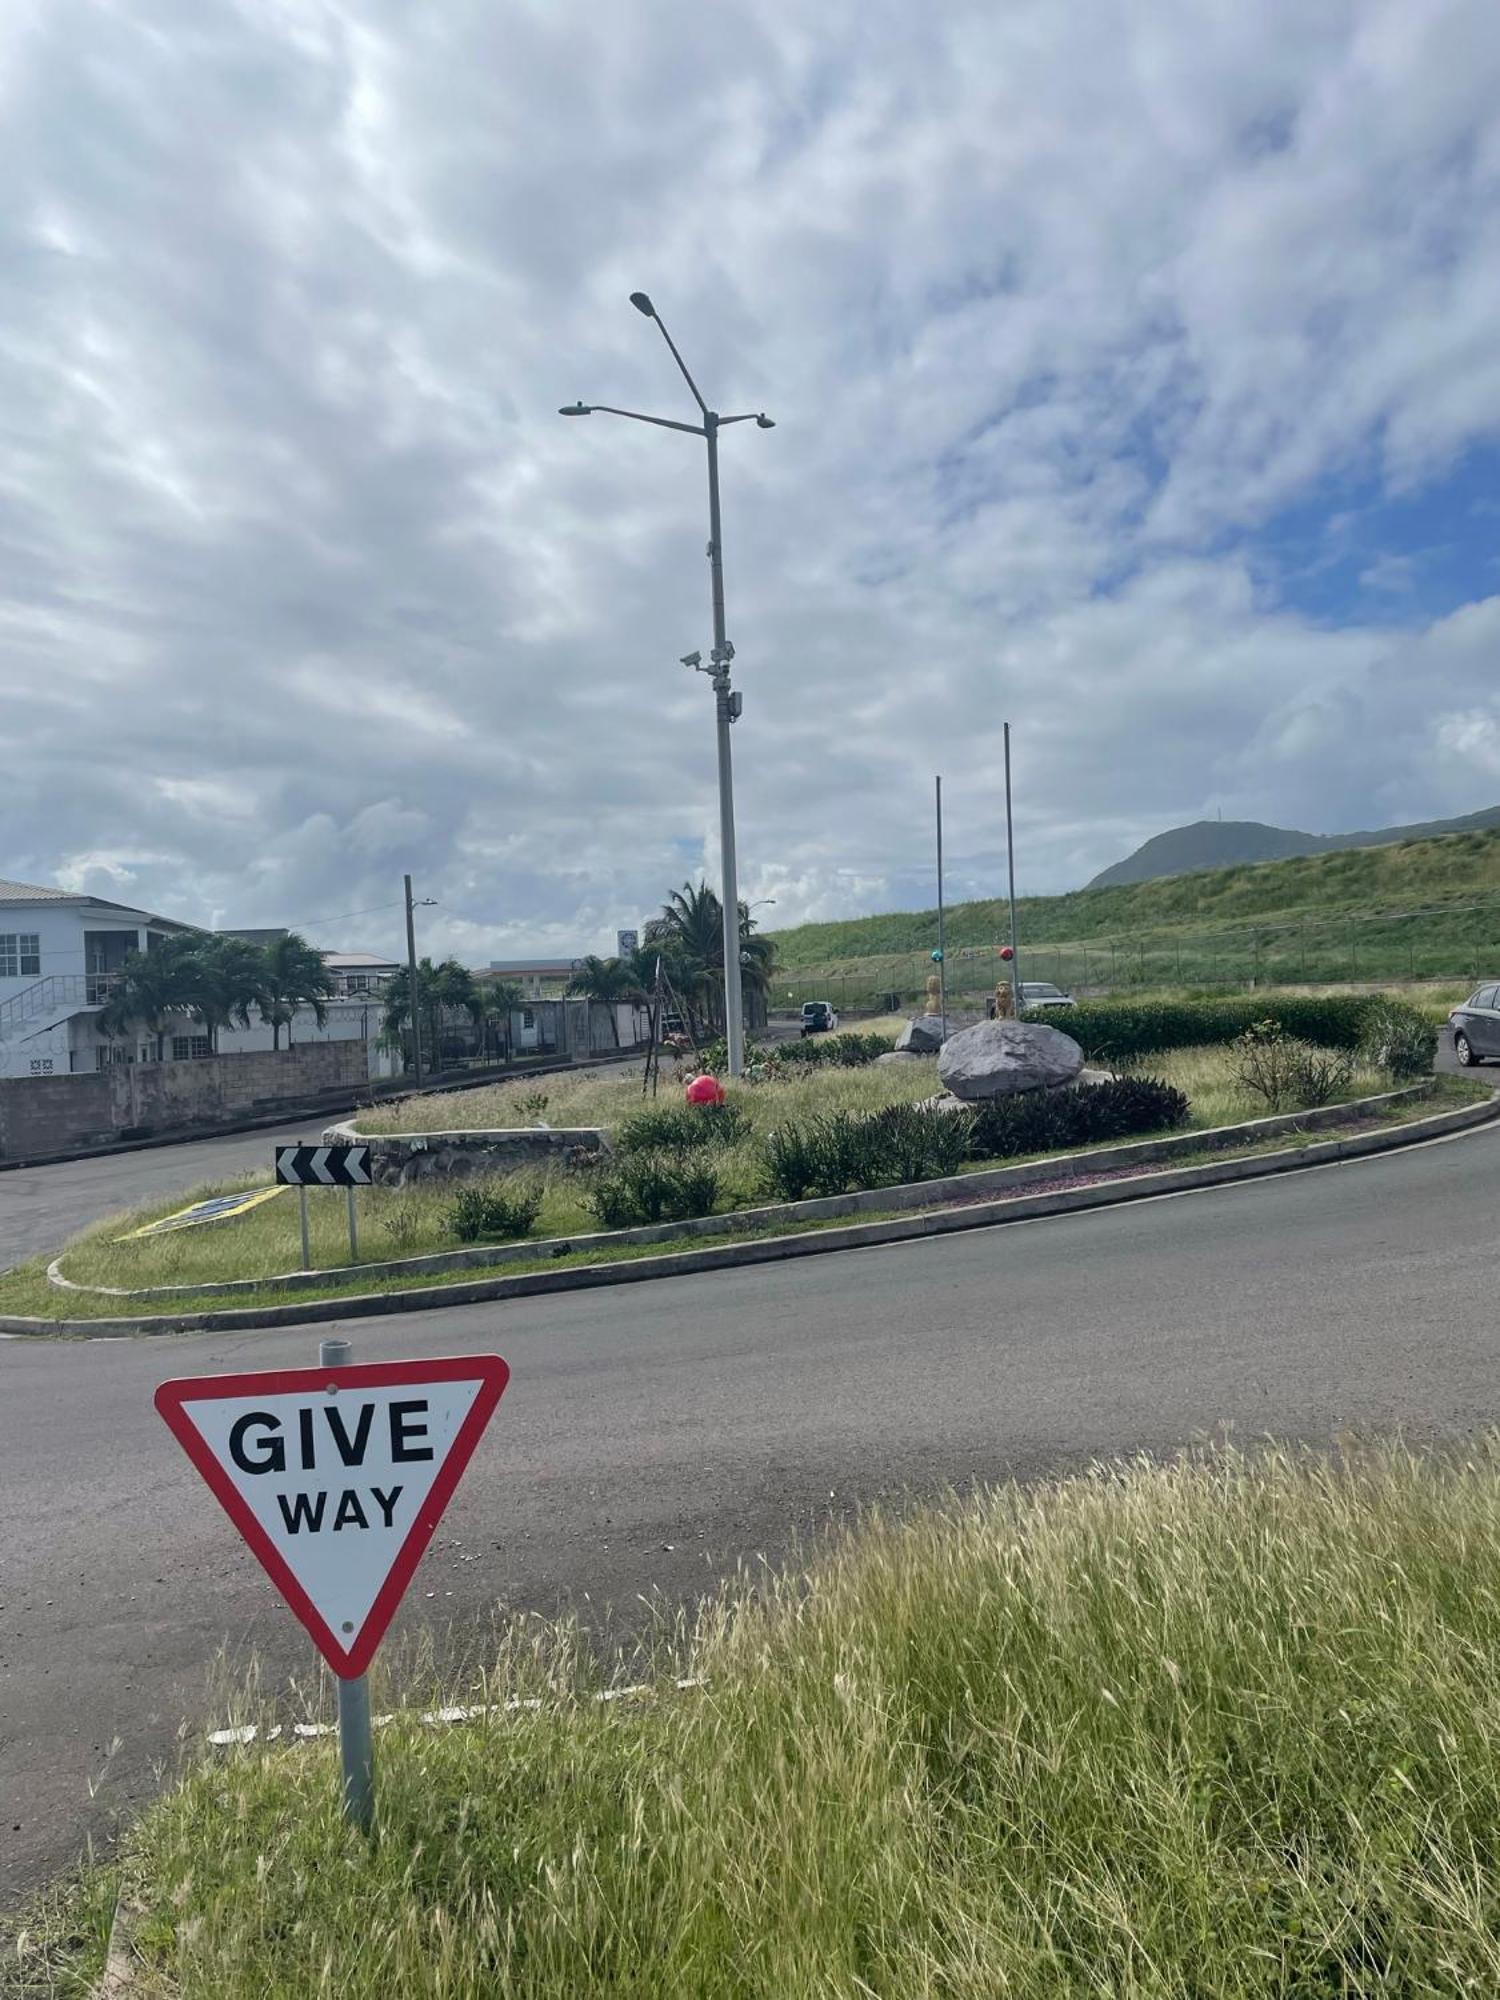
point(1208, 843)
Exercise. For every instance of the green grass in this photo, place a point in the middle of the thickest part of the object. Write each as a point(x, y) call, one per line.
point(1341, 916)
point(1214, 1730)
point(24, 1290)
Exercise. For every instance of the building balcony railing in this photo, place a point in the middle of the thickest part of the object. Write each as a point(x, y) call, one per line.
point(50, 995)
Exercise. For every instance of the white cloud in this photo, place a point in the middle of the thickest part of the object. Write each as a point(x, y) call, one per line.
point(307, 585)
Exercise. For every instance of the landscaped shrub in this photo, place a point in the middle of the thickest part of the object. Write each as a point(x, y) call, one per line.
point(653, 1187)
point(1037, 1121)
point(486, 1210)
point(1285, 1073)
point(844, 1151)
point(1115, 1030)
point(845, 1051)
point(681, 1128)
point(1398, 1040)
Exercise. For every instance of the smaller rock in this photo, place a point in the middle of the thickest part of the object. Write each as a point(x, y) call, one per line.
point(922, 1036)
point(899, 1056)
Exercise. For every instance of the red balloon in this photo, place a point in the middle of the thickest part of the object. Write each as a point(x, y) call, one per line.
point(705, 1090)
point(1006, 952)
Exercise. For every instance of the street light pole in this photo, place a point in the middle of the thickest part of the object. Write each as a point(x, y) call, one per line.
point(725, 709)
point(727, 703)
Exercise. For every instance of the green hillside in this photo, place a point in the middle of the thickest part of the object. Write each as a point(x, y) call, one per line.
point(1422, 908)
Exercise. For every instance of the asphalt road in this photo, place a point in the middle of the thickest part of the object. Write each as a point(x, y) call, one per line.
point(656, 1435)
point(40, 1207)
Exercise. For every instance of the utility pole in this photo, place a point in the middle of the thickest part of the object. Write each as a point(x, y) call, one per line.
point(1010, 857)
point(942, 940)
point(413, 997)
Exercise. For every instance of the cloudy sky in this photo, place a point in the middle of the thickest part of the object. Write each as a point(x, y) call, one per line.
point(1136, 379)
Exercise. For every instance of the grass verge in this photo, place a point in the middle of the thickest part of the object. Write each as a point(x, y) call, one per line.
point(1225, 1728)
point(25, 1292)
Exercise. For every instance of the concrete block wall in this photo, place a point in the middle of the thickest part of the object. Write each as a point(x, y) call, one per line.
point(56, 1114)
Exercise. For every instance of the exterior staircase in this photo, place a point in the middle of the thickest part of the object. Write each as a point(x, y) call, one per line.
point(37, 1008)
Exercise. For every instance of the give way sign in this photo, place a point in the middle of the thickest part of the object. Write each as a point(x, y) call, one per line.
point(337, 1477)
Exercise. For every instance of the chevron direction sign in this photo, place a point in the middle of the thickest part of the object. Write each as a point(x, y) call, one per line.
point(323, 1166)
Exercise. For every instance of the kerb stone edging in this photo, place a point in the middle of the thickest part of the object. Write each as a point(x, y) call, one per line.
point(778, 1249)
point(818, 1208)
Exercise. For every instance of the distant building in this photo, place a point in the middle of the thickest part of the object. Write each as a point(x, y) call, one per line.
point(356, 973)
point(538, 978)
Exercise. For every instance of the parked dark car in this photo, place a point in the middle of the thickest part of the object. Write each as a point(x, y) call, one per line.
point(1476, 1027)
point(818, 1017)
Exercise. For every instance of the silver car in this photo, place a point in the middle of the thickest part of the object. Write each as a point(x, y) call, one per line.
point(1476, 1027)
point(1039, 993)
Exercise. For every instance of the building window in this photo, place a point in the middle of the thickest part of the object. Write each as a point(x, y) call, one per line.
point(528, 1019)
point(185, 1047)
point(20, 955)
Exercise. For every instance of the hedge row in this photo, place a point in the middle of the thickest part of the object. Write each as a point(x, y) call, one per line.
point(1036, 1121)
point(912, 1142)
point(1114, 1030)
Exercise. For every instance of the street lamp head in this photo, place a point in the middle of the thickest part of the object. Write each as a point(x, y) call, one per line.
point(643, 304)
point(766, 423)
point(575, 410)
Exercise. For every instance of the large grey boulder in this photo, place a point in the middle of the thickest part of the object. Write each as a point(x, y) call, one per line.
point(922, 1036)
point(997, 1058)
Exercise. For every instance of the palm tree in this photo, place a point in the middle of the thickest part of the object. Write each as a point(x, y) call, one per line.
point(226, 977)
point(607, 982)
point(441, 989)
point(152, 986)
point(689, 935)
point(294, 976)
point(494, 1000)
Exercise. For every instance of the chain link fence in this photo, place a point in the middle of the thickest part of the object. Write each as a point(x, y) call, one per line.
point(1457, 943)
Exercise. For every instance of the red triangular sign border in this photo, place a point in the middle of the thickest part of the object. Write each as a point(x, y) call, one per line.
point(491, 1373)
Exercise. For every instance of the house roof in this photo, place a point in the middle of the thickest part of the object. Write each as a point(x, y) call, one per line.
point(359, 961)
point(28, 892)
point(32, 892)
point(261, 937)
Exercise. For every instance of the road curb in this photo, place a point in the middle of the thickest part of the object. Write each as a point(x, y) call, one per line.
point(778, 1249)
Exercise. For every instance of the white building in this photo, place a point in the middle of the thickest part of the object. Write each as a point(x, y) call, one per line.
point(59, 953)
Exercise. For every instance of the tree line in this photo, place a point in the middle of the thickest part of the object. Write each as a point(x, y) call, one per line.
point(217, 981)
point(687, 942)
point(220, 981)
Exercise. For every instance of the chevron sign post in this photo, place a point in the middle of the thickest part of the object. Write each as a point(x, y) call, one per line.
point(303, 1167)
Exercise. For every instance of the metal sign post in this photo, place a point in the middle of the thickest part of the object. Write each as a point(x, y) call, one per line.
point(303, 1166)
point(942, 950)
point(337, 1476)
point(356, 1744)
point(1010, 861)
